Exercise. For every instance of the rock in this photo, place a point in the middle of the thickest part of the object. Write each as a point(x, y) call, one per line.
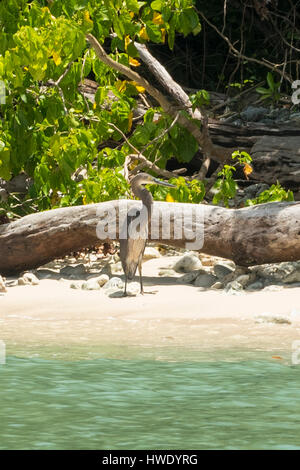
point(73, 272)
point(32, 278)
point(28, 279)
point(286, 272)
point(222, 270)
point(43, 273)
point(267, 317)
point(243, 279)
point(116, 268)
point(91, 284)
point(205, 280)
point(273, 288)
point(115, 283)
point(151, 253)
point(133, 288)
point(2, 285)
point(233, 287)
point(188, 278)
point(254, 190)
point(255, 285)
point(189, 262)
point(252, 113)
point(102, 279)
point(76, 285)
point(217, 285)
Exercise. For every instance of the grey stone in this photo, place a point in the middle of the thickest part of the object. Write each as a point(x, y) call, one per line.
point(115, 283)
point(188, 278)
point(189, 262)
point(255, 285)
point(205, 280)
point(243, 279)
point(222, 270)
point(73, 272)
point(233, 287)
point(217, 285)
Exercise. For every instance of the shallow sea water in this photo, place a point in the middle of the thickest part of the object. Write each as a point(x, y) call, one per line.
point(150, 400)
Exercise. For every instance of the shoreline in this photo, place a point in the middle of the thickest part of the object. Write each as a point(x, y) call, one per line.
point(52, 320)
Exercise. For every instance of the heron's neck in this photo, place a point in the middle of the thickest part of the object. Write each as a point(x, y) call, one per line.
point(145, 196)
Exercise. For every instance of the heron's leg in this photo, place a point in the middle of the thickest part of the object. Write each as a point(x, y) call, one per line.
point(141, 277)
point(125, 289)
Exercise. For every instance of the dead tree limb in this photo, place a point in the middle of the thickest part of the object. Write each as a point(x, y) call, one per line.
point(209, 149)
point(259, 234)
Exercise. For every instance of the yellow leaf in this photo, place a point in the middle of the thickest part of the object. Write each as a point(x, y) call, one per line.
point(169, 198)
point(163, 34)
point(143, 34)
point(94, 105)
point(131, 14)
point(139, 88)
point(56, 58)
point(86, 16)
point(130, 116)
point(134, 62)
point(157, 18)
point(127, 42)
point(121, 85)
point(84, 200)
point(247, 169)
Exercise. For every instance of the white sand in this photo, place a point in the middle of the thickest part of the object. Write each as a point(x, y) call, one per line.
point(52, 315)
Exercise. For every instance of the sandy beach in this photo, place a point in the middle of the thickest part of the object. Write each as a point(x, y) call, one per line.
point(52, 316)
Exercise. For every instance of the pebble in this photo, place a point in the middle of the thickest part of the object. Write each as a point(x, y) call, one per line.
point(189, 262)
point(91, 284)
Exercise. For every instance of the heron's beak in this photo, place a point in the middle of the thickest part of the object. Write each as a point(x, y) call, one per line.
point(163, 183)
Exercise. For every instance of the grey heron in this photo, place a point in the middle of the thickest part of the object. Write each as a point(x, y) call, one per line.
point(133, 246)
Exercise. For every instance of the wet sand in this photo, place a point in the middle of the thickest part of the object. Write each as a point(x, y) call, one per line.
point(52, 316)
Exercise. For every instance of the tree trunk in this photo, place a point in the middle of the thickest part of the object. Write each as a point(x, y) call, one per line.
point(254, 235)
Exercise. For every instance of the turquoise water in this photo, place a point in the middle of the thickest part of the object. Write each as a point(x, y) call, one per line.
point(149, 404)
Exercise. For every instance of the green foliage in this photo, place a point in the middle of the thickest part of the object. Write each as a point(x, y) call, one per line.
point(48, 128)
point(225, 187)
point(192, 192)
point(201, 98)
point(273, 92)
point(275, 193)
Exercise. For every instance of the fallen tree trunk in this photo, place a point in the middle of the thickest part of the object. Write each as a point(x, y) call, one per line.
point(254, 235)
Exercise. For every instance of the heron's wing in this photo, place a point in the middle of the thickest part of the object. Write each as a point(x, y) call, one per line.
point(132, 248)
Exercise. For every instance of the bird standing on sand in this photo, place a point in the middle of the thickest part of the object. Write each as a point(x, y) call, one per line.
point(133, 246)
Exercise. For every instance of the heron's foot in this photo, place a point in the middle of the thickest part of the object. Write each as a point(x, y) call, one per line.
point(149, 292)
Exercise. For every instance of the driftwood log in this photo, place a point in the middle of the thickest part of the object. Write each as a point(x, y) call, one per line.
point(254, 235)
